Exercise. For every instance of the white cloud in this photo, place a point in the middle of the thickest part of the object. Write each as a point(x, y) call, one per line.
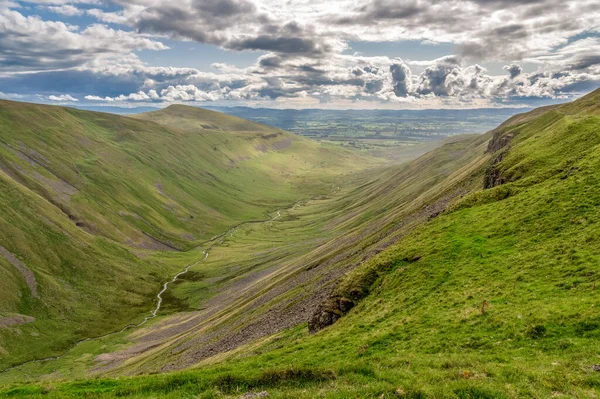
point(305, 42)
point(446, 82)
point(11, 96)
point(65, 9)
point(139, 96)
point(497, 30)
point(30, 43)
point(108, 17)
point(62, 2)
point(62, 97)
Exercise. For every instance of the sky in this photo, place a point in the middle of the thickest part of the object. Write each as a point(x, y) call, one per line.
point(334, 54)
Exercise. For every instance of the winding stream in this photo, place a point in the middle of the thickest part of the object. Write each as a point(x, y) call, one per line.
point(165, 286)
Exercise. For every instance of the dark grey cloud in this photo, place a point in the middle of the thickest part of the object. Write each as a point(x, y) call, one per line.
point(276, 92)
point(433, 79)
point(585, 61)
point(373, 86)
point(387, 9)
point(232, 24)
point(310, 69)
point(270, 61)
point(408, 15)
point(280, 44)
point(503, 42)
point(224, 8)
point(173, 20)
point(514, 70)
point(400, 75)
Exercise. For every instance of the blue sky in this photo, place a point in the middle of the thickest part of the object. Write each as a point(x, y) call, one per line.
point(343, 54)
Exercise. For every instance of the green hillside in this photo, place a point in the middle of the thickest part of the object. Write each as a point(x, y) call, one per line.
point(92, 204)
point(470, 272)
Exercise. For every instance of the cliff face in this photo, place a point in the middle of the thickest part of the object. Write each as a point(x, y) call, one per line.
point(493, 175)
point(499, 141)
point(498, 144)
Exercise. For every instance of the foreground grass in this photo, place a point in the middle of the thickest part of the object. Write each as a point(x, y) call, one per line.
point(501, 374)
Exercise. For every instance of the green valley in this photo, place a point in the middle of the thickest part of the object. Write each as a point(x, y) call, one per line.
point(88, 198)
point(468, 271)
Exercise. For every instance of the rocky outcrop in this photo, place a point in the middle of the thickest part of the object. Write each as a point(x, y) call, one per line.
point(493, 175)
point(498, 141)
point(329, 312)
point(15, 320)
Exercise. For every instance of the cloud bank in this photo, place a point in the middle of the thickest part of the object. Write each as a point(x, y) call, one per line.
point(539, 49)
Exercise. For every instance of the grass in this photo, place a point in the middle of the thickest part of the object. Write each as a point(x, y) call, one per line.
point(495, 297)
point(269, 257)
point(96, 205)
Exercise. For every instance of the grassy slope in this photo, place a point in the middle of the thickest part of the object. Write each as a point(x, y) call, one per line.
point(266, 277)
point(81, 193)
point(272, 274)
point(494, 298)
point(128, 178)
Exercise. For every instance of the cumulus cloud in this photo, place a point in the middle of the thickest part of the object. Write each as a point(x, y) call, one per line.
point(178, 93)
point(306, 47)
point(401, 77)
point(11, 96)
point(30, 43)
point(434, 80)
point(350, 78)
point(139, 96)
point(514, 70)
point(62, 97)
point(65, 9)
point(107, 17)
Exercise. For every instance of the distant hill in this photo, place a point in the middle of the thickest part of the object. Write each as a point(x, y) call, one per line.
point(115, 110)
point(410, 125)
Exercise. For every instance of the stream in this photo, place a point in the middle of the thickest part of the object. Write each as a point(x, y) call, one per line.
point(221, 238)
